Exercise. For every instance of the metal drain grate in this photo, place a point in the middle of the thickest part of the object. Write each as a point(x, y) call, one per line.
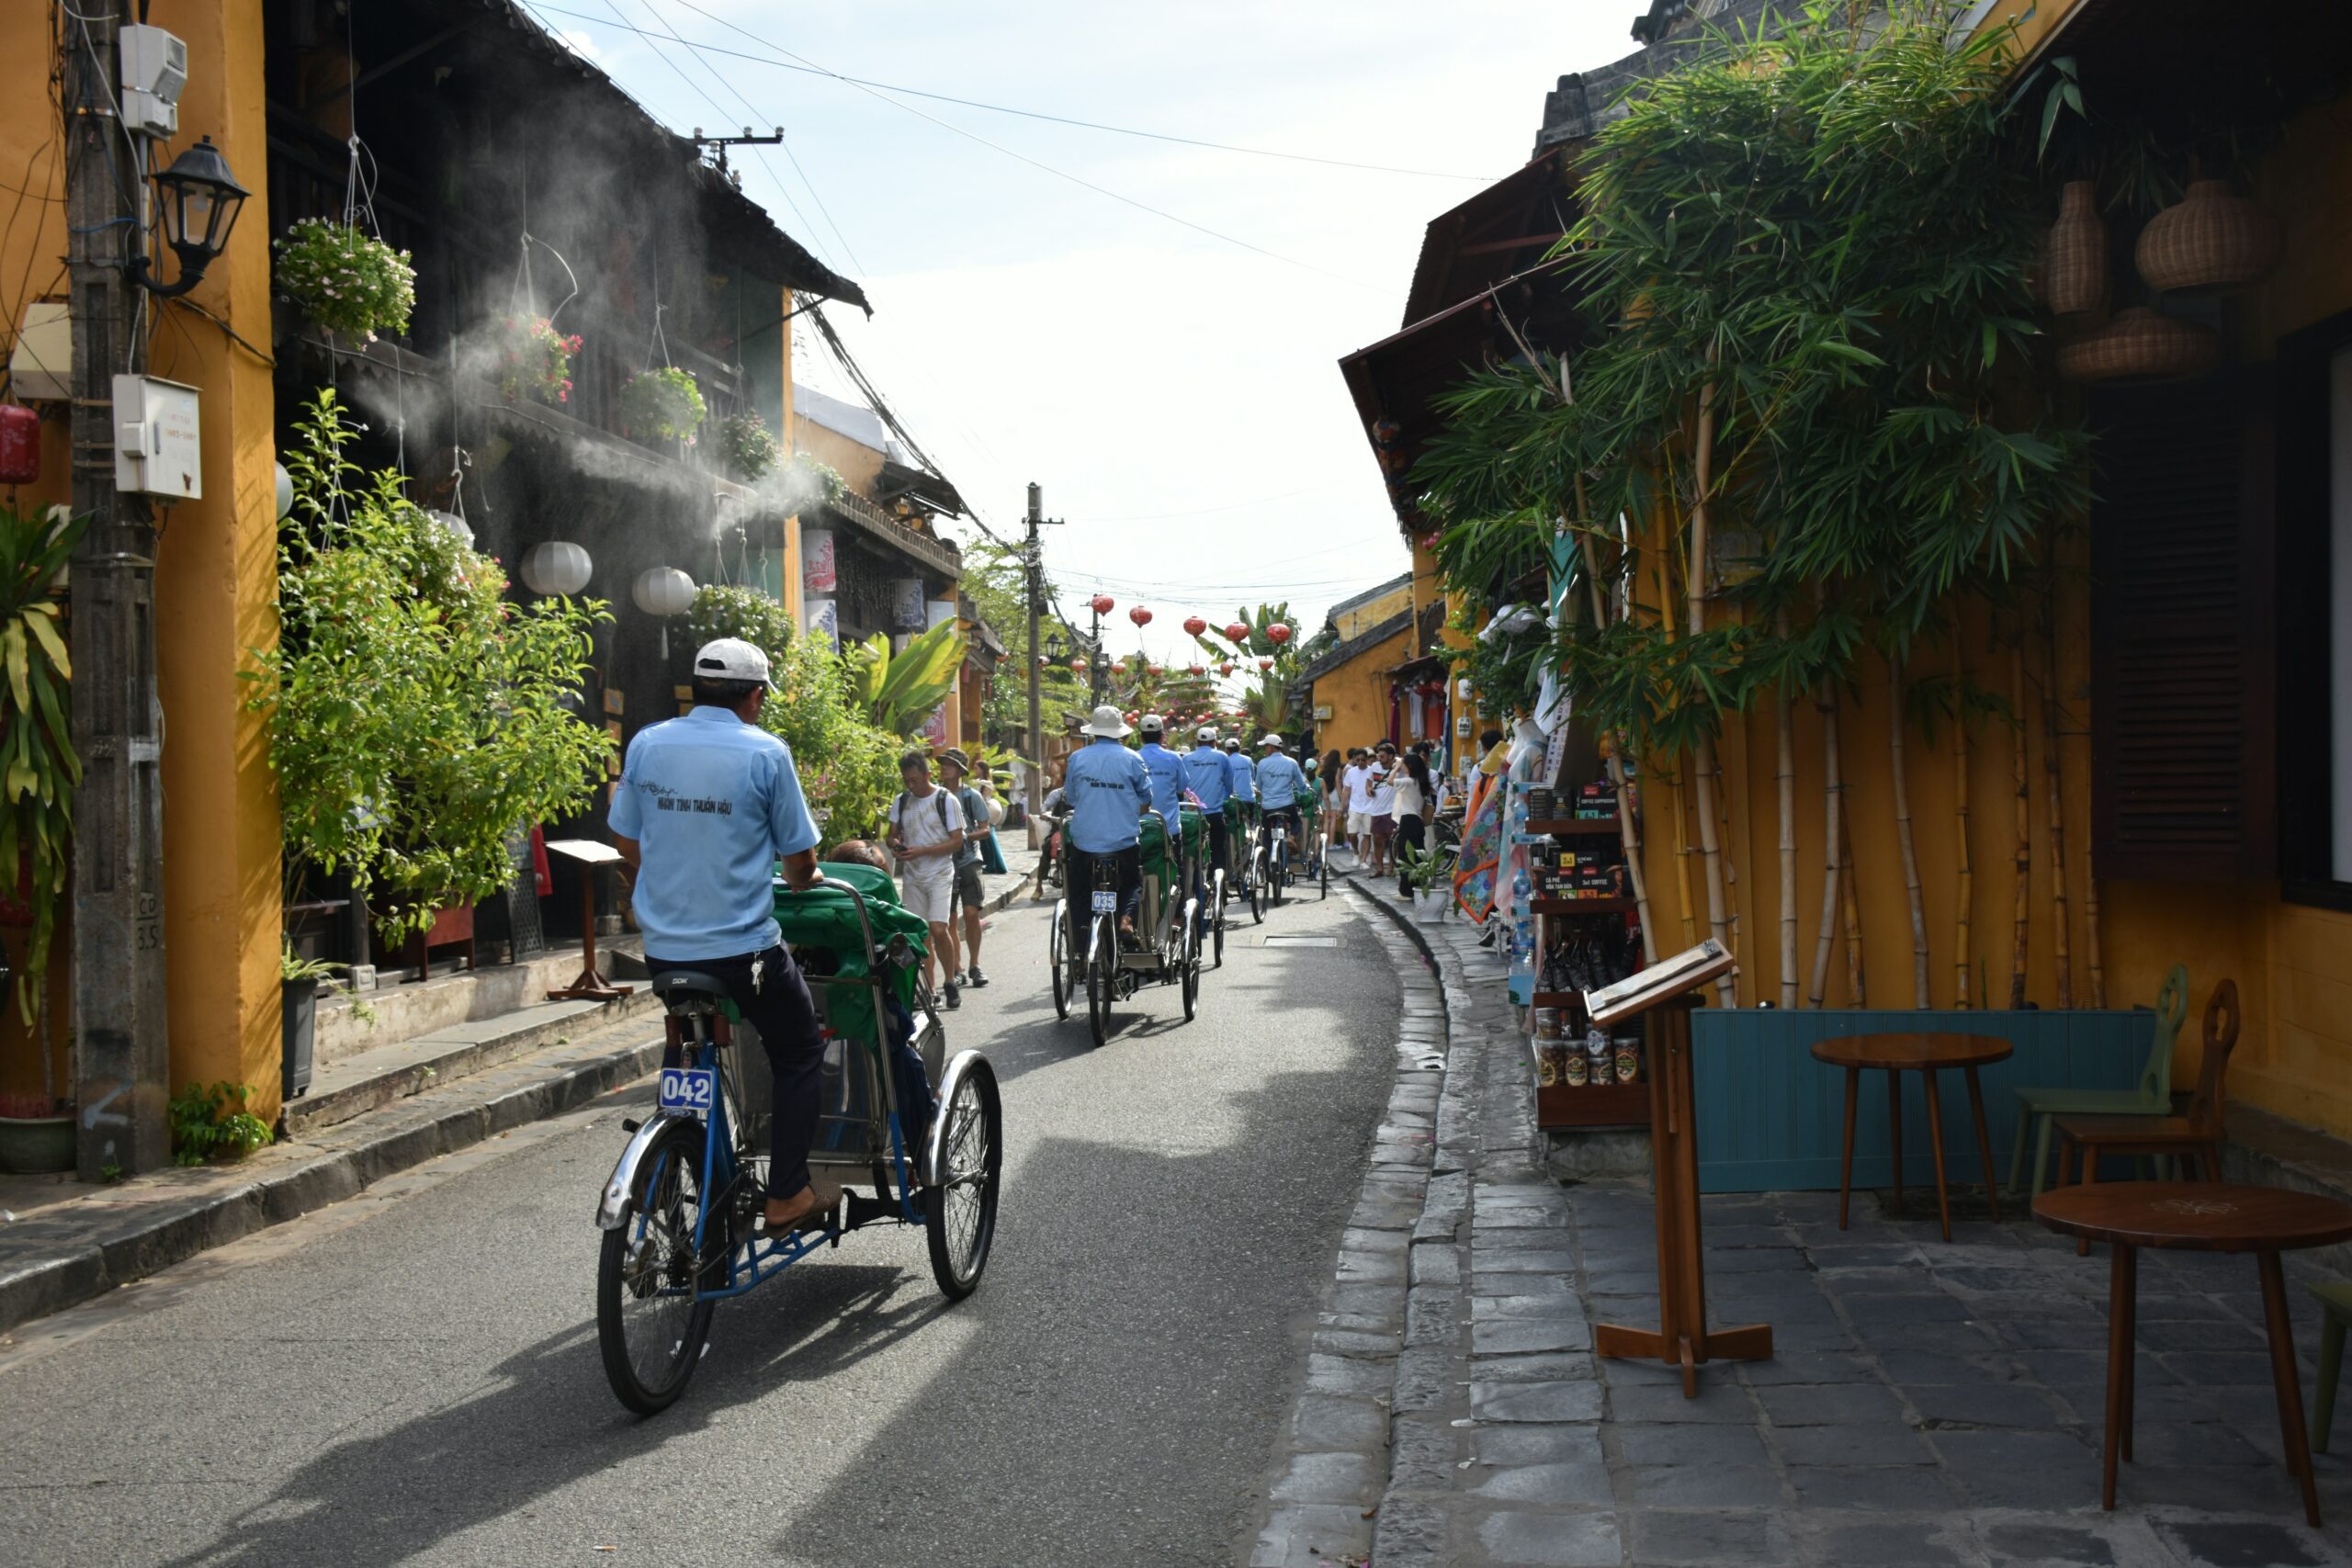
point(1299, 942)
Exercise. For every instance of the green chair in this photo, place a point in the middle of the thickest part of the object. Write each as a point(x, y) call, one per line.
point(2335, 1306)
point(2153, 1097)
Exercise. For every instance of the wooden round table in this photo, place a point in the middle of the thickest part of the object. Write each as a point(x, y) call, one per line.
point(1924, 1054)
point(2203, 1216)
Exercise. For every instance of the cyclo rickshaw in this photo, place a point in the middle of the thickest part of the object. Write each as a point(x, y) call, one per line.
point(1245, 830)
point(1168, 922)
point(681, 1211)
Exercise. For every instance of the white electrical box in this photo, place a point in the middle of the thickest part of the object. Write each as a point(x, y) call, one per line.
point(40, 365)
point(157, 441)
point(154, 69)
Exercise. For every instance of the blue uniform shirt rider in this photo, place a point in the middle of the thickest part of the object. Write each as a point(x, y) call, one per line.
point(1281, 780)
point(1166, 769)
point(706, 806)
point(1243, 772)
point(1108, 793)
point(1211, 780)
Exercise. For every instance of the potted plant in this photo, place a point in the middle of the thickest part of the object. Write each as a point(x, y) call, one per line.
point(531, 358)
point(1420, 872)
point(348, 282)
point(36, 1134)
point(750, 448)
point(212, 1124)
point(301, 978)
point(662, 405)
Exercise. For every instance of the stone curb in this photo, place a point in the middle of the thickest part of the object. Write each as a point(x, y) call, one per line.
point(49, 1263)
point(1335, 1456)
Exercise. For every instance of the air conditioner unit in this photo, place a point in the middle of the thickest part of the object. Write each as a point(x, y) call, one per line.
point(41, 365)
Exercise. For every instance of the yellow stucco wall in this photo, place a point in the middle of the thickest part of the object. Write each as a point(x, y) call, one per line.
point(216, 567)
point(2292, 964)
point(1362, 618)
point(1357, 694)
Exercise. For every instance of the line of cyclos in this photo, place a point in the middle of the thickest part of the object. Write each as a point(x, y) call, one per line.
point(1193, 869)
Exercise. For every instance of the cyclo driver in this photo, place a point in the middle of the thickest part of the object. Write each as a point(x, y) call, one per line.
point(707, 805)
point(1211, 783)
point(1281, 785)
point(1109, 792)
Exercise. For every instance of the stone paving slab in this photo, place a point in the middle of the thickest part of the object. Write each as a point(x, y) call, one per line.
point(1927, 1404)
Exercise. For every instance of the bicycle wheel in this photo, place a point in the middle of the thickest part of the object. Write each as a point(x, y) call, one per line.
point(1323, 870)
point(649, 1323)
point(1189, 955)
point(1258, 886)
point(1278, 873)
point(1058, 960)
point(959, 1214)
point(1099, 976)
point(1217, 918)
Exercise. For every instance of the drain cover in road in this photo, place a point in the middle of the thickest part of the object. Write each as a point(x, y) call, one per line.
point(1300, 941)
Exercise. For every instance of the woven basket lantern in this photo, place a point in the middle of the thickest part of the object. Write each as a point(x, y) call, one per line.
point(2211, 240)
point(2074, 256)
point(2141, 345)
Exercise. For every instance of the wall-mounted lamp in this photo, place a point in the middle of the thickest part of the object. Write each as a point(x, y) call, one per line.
point(196, 203)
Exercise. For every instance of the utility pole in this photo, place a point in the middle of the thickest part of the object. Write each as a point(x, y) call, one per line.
point(1035, 579)
point(122, 1060)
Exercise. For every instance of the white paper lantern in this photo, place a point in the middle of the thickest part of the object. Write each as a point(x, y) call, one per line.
point(557, 567)
point(663, 590)
point(285, 492)
point(455, 525)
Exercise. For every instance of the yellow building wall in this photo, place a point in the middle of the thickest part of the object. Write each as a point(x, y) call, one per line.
point(2292, 963)
point(1354, 622)
point(1357, 694)
point(216, 566)
point(860, 465)
point(790, 438)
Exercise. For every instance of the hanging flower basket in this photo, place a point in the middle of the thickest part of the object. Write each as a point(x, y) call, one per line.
point(533, 359)
point(662, 405)
point(2211, 240)
point(346, 280)
point(748, 447)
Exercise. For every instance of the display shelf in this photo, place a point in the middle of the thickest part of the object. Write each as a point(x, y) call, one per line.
point(1569, 827)
point(1593, 1105)
point(1582, 905)
point(1557, 1000)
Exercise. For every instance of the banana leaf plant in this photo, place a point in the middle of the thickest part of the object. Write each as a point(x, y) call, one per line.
point(39, 769)
point(1265, 696)
point(900, 692)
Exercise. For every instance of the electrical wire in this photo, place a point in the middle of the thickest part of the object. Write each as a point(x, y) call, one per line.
point(811, 67)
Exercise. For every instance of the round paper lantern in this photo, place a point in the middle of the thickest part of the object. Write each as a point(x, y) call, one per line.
point(455, 525)
point(1154, 671)
point(1200, 668)
point(663, 590)
point(1104, 603)
point(1078, 666)
point(1226, 668)
point(1139, 615)
point(1278, 634)
point(1265, 664)
point(1235, 631)
point(1194, 626)
point(1131, 716)
point(285, 492)
point(556, 568)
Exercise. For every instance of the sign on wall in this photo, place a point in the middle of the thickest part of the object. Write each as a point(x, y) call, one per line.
point(818, 573)
point(909, 610)
point(822, 617)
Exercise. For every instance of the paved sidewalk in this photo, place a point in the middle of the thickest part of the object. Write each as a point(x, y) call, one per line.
point(1928, 1404)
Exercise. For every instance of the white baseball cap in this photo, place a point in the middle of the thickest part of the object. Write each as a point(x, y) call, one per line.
point(732, 659)
point(1151, 724)
point(1205, 732)
point(1270, 741)
point(1107, 722)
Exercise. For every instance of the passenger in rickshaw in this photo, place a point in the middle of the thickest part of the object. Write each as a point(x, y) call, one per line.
point(858, 864)
point(1212, 784)
point(706, 806)
point(1109, 792)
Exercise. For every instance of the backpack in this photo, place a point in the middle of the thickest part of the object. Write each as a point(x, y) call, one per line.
point(899, 807)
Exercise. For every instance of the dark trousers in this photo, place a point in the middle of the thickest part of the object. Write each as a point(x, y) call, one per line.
point(1081, 888)
point(780, 1008)
point(1410, 830)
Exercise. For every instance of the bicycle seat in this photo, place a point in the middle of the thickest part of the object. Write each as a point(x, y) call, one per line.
point(681, 990)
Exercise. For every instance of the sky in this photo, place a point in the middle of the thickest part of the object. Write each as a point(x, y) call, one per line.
point(1175, 391)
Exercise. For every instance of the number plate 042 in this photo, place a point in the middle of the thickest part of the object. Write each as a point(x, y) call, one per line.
point(688, 1090)
point(1106, 901)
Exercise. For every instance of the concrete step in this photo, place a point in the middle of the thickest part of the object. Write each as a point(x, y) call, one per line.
point(368, 1080)
point(396, 1011)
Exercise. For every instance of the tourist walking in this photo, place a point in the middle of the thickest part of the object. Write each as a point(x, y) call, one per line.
point(926, 830)
point(970, 895)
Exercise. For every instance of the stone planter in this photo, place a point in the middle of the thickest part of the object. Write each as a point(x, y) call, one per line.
point(36, 1146)
point(301, 1028)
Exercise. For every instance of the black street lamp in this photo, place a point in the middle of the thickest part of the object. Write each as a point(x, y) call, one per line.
point(196, 203)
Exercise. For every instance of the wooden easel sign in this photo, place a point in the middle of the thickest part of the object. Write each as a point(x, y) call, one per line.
point(591, 986)
point(1663, 996)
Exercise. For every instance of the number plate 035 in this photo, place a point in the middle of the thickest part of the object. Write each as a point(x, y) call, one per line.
point(1107, 902)
point(688, 1090)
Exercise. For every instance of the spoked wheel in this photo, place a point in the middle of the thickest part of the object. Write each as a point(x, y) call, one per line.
point(959, 1214)
point(1100, 976)
point(1280, 873)
point(1217, 918)
point(1323, 870)
point(1257, 888)
point(1058, 960)
point(1188, 956)
point(648, 1323)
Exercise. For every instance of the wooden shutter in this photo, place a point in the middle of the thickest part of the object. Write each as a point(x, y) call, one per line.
point(2183, 688)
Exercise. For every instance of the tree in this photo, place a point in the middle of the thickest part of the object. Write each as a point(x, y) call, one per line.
point(848, 764)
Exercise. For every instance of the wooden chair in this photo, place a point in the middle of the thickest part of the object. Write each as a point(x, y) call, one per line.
point(2194, 1134)
point(2335, 1308)
point(2038, 1107)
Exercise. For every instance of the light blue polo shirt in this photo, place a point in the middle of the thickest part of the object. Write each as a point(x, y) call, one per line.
point(1108, 790)
point(1211, 780)
point(1244, 776)
point(1167, 771)
point(1280, 781)
point(713, 803)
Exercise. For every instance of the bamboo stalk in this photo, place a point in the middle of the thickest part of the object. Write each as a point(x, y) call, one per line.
point(2090, 931)
point(1786, 778)
point(1682, 856)
point(1967, 879)
point(1629, 832)
point(1731, 861)
point(1826, 702)
point(1897, 759)
point(2054, 773)
point(2020, 921)
point(1849, 889)
point(1694, 583)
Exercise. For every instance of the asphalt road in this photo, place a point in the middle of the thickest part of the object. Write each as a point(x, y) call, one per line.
point(413, 1377)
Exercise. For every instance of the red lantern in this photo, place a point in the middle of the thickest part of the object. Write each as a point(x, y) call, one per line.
point(1139, 615)
point(1226, 668)
point(1104, 603)
point(1278, 634)
point(1154, 671)
point(1265, 664)
point(1078, 666)
point(1194, 626)
point(1200, 668)
point(19, 444)
point(1236, 631)
point(1131, 716)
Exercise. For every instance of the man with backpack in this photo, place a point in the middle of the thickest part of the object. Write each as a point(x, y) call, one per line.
point(926, 830)
point(970, 892)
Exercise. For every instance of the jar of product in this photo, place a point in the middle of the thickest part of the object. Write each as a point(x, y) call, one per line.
point(1547, 1070)
point(1573, 1070)
point(1600, 1071)
point(1555, 1063)
point(1547, 1023)
point(1629, 1062)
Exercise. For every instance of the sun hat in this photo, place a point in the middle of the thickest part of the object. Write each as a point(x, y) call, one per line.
point(732, 659)
point(1107, 723)
point(956, 755)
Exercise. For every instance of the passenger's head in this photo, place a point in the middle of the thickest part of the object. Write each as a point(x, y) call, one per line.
point(860, 851)
point(914, 769)
point(1490, 739)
